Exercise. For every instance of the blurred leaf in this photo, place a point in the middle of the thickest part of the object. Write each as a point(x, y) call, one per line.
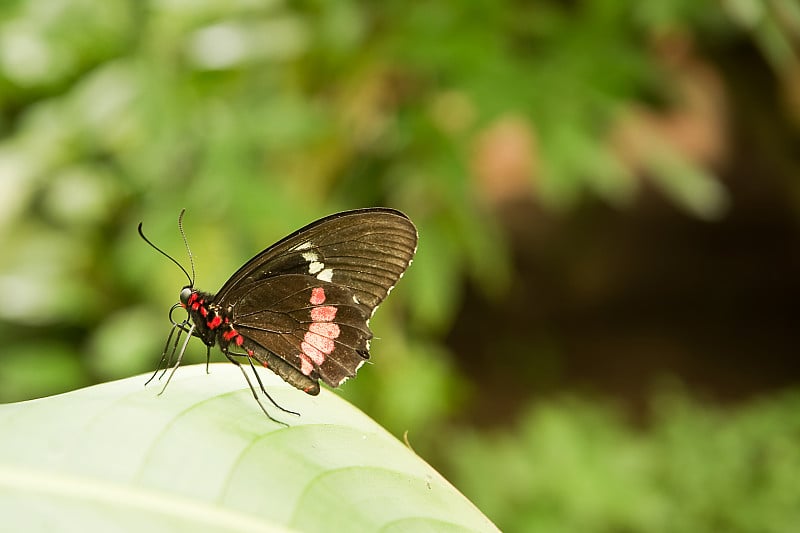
point(417, 383)
point(120, 341)
point(690, 187)
point(36, 370)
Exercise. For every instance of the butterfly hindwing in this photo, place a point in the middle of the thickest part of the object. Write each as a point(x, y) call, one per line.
point(313, 325)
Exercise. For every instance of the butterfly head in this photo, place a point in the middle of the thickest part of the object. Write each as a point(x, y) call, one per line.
point(186, 294)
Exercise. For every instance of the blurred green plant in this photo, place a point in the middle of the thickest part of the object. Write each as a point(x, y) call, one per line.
point(259, 116)
point(574, 465)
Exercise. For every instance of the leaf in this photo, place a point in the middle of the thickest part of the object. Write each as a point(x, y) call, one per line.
point(203, 457)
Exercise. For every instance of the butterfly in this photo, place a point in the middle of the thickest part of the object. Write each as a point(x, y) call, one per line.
point(300, 308)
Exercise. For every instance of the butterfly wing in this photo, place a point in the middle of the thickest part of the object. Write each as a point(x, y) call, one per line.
point(366, 250)
point(313, 325)
point(308, 298)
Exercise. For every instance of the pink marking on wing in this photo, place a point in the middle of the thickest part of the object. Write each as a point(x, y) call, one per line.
point(323, 344)
point(317, 296)
point(315, 355)
point(326, 329)
point(239, 340)
point(323, 314)
point(306, 367)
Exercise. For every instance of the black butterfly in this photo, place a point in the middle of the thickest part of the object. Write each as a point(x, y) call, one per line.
point(301, 307)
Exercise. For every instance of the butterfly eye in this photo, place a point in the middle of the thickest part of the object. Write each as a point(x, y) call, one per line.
point(186, 292)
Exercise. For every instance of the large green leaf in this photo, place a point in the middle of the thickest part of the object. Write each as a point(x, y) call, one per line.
point(203, 457)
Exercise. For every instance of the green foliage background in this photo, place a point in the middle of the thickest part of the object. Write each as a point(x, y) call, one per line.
point(259, 116)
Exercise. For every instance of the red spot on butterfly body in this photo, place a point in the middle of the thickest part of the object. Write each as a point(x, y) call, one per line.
point(214, 322)
point(230, 334)
point(194, 302)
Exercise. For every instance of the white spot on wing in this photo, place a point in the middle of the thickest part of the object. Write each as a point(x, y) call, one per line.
point(314, 267)
point(326, 275)
point(355, 299)
point(303, 246)
point(314, 264)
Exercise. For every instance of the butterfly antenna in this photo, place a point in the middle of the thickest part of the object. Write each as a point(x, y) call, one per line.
point(186, 243)
point(165, 254)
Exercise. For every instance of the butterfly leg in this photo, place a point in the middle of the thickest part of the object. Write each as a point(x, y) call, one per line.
point(167, 354)
point(231, 357)
point(261, 385)
point(164, 353)
point(179, 357)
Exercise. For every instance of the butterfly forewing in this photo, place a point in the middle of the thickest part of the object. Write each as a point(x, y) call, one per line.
point(365, 250)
